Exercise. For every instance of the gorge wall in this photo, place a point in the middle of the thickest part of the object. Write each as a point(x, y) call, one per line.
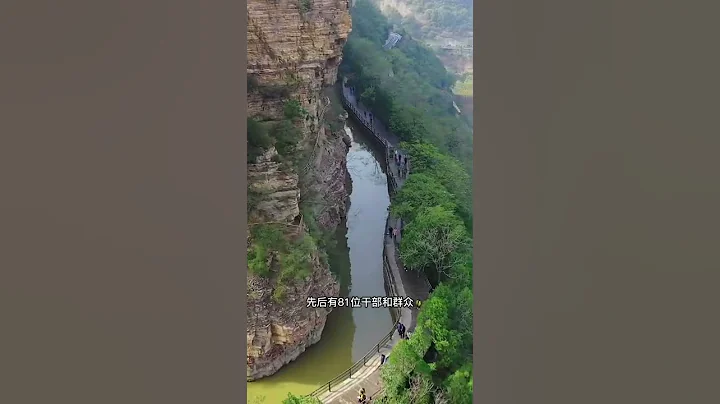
point(294, 50)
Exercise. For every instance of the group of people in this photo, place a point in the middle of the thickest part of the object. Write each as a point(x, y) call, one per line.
point(393, 232)
point(402, 163)
point(362, 397)
point(402, 332)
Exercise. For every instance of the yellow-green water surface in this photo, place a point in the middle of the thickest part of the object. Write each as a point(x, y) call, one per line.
point(357, 262)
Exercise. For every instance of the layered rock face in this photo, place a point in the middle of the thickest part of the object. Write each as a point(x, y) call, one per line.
point(294, 49)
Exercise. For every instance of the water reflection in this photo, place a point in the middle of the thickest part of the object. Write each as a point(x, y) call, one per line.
point(356, 260)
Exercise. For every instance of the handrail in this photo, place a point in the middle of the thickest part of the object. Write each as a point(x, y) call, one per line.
point(326, 387)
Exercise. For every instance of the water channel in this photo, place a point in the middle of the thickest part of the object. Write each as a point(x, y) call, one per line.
point(357, 262)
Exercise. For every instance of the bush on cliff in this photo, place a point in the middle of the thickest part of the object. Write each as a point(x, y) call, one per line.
point(281, 254)
point(284, 135)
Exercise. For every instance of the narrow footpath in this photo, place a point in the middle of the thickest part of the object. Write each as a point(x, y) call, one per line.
point(406, 283)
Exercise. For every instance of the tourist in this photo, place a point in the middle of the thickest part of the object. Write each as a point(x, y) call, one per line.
point(362, 398)
point(390, 231)
point(382, 359)
point(395, 234)
point(399, 329)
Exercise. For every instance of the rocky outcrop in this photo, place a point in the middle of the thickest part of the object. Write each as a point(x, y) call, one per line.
point(276, 189)
point(278, 334)
point(294, 50)
point(327, 185)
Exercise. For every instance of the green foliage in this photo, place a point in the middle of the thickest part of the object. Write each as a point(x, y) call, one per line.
point(305, 5)
point(284, 135)
point(447, 317)
point(280, 252)
point(293, 399)
point(432, 242)
point(293, 110)
point(257, 259)
point(368, 22)
point(324, 239)
point(408, 88)
point(460, 385)
point(464, 87)
point(287, 136)
point(258, 139)
point(440, 17)
point(420, 191)
point(405, 361)
point(428, 159)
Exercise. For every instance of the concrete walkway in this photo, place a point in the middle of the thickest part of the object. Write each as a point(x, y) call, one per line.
point(406, 283)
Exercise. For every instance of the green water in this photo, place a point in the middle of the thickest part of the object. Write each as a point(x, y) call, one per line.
point(356, 261)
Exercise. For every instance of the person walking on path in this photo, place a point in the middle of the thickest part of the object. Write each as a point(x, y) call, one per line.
point(390, 231)
point(401, 330)
point(362, 398)
point(395, 234)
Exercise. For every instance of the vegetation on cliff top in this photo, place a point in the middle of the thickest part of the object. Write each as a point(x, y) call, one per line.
point(435, 365)
point(284, 255)
point(407, 87)
point(283, 134)
point(435, 18)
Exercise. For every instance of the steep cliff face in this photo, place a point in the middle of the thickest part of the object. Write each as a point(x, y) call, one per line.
point(294, 50)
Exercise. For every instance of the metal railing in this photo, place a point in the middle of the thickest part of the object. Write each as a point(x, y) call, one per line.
point(327, 387)
point(392, 180)
point(394, 312)
point(361, 118)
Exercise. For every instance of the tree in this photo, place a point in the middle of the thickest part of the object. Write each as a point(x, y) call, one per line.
point(257, 138)
point(433, 240)
point(460, 385)
point(426, 158)
point(404, 361)
point(436, 320)
point(408, 123)
point(420, 191)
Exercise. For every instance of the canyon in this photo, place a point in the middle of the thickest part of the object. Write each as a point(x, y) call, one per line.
point(294, 50)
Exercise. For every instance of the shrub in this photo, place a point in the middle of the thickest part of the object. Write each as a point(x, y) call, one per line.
point(258, 139)
point(293, 110)
point(305, 6)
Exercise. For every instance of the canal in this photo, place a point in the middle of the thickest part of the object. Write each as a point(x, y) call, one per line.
point(356, 260)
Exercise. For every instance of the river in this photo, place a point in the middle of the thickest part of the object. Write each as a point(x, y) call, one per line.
point(356, 260)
